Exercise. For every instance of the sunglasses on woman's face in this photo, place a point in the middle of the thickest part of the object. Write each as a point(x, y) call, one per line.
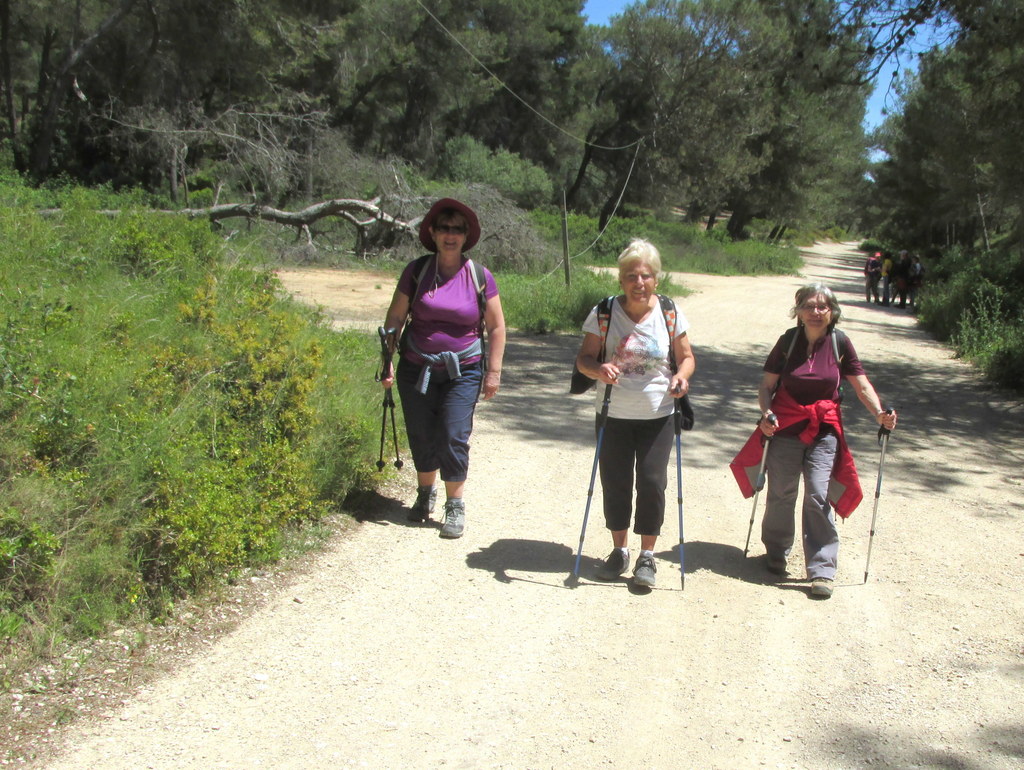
point(450, 229)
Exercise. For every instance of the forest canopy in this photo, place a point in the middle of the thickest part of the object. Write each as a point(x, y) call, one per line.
point(744, 107)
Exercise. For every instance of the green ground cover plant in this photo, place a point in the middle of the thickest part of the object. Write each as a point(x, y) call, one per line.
point(976, 302)
point(167, 414)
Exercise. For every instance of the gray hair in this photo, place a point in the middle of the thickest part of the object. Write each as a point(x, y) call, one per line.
point(640, 250)
point(809, 290)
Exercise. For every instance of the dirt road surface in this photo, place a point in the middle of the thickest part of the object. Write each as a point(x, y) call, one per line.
point(400, 649)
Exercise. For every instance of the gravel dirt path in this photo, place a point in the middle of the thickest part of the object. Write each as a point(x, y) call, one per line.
point(400, 649)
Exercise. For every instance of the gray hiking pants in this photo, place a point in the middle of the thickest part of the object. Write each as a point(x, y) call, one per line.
point(788, 460)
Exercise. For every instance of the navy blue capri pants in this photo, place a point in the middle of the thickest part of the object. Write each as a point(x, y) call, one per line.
point(440, 421)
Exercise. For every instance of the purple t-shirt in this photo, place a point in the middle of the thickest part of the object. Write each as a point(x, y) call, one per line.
point(813, 377)
point(445, 313)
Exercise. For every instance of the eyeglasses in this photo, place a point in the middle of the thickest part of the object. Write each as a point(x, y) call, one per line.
point(813, 308)
point(450, 229)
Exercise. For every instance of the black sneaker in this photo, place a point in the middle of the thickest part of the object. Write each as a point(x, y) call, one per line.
point(643, 572)
point(454, 519)
point(424, 505)
point(613, 566)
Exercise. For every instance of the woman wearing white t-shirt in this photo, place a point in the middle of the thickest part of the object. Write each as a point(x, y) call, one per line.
point(637, 439)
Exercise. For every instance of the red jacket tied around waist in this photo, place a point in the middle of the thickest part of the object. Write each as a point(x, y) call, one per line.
point(844, 492)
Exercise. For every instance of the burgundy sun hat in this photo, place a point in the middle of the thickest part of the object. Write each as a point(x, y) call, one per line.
point(472, 236)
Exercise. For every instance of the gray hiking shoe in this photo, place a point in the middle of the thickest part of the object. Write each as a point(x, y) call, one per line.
point(454, 519)
point(821, 587)
point(424, 505)
point(643, 572)
point(613, 567)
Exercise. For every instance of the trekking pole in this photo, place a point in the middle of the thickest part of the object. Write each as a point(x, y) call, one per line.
point(386, 336)
point(759, 484)
point(883, 439)
point(678, 416)
point(593, 474)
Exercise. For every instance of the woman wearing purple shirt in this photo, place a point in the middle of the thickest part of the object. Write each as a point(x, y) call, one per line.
point(799, 401)
point(441, 370)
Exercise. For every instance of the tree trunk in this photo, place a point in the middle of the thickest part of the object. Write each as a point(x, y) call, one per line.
point(174, 174)
point(55, 90)
point(738, 221)
point(6, 73)
point(581, 174)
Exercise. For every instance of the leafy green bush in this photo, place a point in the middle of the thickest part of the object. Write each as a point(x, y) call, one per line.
point(871, 245)
point(976, 302)
point(166, 413)
point(27, 553)
point(466, 160)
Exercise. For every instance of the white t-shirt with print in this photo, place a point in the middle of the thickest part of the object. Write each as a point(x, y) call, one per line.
point(640, 350)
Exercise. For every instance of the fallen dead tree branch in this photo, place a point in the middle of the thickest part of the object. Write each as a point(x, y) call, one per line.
point(374, 226)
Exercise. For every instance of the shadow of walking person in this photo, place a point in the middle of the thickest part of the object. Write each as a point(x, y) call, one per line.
point(515, 555)
point(725, 560)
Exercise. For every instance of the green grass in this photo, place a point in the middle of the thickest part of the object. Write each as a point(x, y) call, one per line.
point(167, 415)
point(542, 304)
point(684, 248)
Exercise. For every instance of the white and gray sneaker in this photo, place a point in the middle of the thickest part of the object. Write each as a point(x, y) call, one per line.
point(644, 571)
point(454, 519)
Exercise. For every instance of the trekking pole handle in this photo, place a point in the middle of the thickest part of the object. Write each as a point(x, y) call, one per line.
point(882, 430)
point(386, 337)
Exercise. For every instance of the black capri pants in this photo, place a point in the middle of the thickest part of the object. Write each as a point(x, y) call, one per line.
point(642, 446)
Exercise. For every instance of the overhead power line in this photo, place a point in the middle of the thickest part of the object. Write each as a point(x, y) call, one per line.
point(516, 96)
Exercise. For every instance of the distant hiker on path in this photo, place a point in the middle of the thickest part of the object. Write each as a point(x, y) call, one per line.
point(887, 266)
point(441, 372)
point(901, 273)
point(801, 419)
point(872, 277)
point(634, 352)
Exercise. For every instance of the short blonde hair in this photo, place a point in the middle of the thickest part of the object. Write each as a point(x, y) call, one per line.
point(640, 250)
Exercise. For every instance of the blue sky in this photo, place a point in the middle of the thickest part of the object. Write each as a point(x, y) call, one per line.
point(599, 11)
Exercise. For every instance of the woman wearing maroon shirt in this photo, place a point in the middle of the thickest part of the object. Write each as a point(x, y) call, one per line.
point(798, 397)
point(441, 372)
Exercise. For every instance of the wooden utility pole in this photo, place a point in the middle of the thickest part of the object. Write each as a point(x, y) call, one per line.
point(565, 241)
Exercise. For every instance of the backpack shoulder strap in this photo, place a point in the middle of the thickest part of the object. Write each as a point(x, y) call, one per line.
point(476, 271)
point(792, 335)
point(668, 310)
point(604, 317)
point(419, 269)
point(838, 340)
